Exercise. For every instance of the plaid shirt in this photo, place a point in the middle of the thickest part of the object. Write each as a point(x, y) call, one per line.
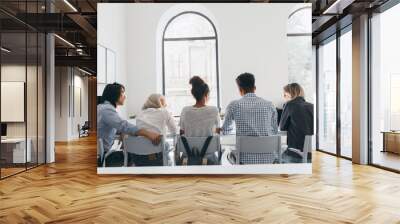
point(253, 116)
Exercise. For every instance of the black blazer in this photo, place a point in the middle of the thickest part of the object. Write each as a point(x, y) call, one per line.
point(298, 120)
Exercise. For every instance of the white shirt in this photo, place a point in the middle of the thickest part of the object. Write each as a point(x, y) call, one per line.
point(199, 121)
point(156, 120)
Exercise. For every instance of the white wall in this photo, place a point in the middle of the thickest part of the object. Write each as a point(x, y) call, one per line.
point(251, 38)
point(61, 104)
point(66, 121)
point(112, 34)
point(79, 117)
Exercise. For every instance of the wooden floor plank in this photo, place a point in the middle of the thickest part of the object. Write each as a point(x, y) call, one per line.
point(70, 191)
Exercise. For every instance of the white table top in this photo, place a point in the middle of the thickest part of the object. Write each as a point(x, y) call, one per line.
point(13, 140)
point(228, 140)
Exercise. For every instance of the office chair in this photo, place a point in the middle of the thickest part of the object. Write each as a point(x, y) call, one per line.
point(267, 146)
point(307, 148)
point(103, 155)
point(142, 146)
point(84, 129)
point(186, 155)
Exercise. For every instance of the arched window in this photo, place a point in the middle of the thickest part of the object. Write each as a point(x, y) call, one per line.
point(299, 22)
point(189, 48)
point(299, 39)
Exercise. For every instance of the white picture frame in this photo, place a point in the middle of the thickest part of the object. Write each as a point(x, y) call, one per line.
point(101, 64)
point(12, 101)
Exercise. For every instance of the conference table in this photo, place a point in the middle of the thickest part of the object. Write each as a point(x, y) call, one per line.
point(13, 150)
point(226, 140)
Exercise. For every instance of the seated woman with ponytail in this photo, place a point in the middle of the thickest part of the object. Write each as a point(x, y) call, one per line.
point(199, 120)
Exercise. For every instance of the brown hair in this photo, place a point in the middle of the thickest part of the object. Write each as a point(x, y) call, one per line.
point(199, 88)
point(112, 93)
point(294, 89)
point(246, 81)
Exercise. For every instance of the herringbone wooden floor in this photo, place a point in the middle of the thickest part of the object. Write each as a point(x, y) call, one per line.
point(70, 191)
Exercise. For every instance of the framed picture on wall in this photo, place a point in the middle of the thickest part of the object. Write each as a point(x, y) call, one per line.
point(101, 64)
point(173, 56)
point(12, 98)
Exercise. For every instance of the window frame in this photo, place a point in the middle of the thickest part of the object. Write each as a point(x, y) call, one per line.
point(341, 26)
point(41, 37)
point(292, 35)
point(294, 13)
point(334, 37)
point(370, 151)
point(215, 37)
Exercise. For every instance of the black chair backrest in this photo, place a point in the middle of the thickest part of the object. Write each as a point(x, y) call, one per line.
point(194, 156)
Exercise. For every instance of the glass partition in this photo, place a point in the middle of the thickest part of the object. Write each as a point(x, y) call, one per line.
point(346, 94)
point(41, 97)
point(31, 97)
point(23, 90)
point(13, 117)
point(327, 96)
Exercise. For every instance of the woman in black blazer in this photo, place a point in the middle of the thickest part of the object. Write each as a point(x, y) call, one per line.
point(297, 116)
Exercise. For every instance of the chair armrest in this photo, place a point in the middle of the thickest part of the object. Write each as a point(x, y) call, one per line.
point(296, 151)
point(232, 159)
point(282, 133)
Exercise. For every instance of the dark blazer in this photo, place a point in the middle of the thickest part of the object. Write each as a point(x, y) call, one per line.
point(298, 120)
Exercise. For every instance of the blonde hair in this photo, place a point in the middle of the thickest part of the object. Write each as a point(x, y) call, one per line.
point(294, 89)
point(153, 101)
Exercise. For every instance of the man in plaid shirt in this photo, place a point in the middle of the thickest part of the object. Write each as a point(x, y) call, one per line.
point(253, 116)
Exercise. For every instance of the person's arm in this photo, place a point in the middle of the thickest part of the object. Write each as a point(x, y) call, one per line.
point(228, 120)
point(155, 138)
point(112, 119)
point(274, 120)
point(285, 119)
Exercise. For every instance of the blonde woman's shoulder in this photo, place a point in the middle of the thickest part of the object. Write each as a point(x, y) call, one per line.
point(165, 111)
